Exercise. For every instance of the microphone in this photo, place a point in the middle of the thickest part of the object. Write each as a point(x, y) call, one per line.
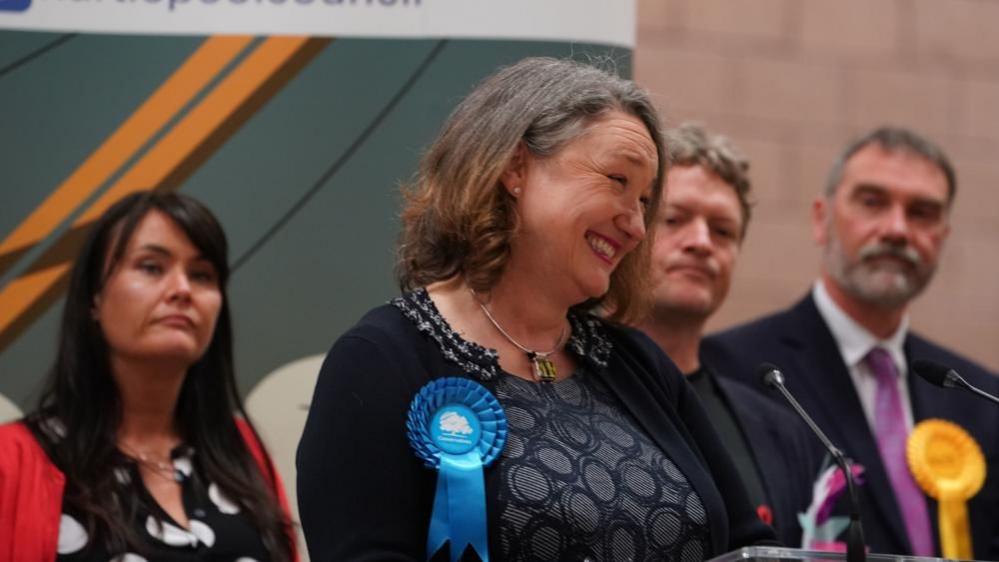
point(944, 376)
point(856, 550)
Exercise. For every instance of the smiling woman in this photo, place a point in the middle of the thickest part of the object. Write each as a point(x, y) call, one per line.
point(527, 218)
point(135, 449)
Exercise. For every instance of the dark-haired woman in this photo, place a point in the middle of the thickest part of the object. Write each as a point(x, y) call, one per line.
point(529, 213)
point(139, 448)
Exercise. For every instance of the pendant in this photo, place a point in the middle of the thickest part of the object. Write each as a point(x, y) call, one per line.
point(544, 369)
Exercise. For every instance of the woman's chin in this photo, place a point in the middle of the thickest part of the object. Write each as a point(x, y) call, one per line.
point(594, 289)
point(175, 353)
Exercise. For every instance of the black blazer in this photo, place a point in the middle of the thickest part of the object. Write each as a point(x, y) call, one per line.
point(798, 341)
point(363, 495)
point(783, 450)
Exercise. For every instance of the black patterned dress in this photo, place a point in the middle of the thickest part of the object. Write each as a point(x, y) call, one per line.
point(580, 480)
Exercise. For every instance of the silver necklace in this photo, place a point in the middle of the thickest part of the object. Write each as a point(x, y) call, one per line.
point(159, 467)
point(543, 367)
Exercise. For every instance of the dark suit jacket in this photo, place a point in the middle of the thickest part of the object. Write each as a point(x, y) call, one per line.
point(799, 342)
point(783, 450)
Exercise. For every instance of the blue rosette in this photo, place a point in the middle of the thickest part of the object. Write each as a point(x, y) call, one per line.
point(457, 427)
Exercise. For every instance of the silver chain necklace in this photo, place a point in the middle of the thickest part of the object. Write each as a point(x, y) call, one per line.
point(157, 466)
point(543, 367)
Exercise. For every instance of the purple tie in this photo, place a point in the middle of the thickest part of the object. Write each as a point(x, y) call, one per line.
point(892, 433)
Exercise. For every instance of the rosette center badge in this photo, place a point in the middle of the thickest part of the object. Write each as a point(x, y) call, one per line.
point(457, 427)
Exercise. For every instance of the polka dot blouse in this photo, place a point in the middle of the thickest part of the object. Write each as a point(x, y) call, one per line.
point(217, 529)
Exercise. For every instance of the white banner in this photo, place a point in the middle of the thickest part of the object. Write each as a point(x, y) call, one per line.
point(610, 22)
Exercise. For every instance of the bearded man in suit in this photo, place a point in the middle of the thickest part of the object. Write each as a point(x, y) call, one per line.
point(847, 349)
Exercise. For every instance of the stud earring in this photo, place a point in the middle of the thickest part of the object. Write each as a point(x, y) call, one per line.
point(516, 192)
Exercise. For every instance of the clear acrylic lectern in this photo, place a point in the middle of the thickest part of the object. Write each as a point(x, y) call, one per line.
point(768, 553)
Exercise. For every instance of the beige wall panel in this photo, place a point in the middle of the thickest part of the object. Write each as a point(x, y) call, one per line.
point(858, 27)
point(677, 95)
point(918, 100)
point(979, 109)
point(979, 215)
point(788, 91)
point(957, 30)
point(759, 19)
point(769, 167)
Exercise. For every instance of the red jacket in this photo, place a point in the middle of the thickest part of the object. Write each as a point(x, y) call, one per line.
point(31, 490)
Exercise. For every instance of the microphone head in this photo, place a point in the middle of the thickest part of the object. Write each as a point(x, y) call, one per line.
point(769, 375)
point(933, 372)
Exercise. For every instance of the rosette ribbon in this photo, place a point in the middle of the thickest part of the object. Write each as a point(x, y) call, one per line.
point(947, 463)
point(457, 428)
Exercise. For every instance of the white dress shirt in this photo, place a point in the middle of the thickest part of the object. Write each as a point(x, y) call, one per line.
point(855, 342)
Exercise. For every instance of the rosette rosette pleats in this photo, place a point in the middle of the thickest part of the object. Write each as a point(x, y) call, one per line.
point(948, 464)
point(457, 427)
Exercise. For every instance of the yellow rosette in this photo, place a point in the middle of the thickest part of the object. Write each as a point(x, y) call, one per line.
point(949, 466)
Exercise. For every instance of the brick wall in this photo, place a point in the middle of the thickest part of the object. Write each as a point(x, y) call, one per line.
point(792, 80)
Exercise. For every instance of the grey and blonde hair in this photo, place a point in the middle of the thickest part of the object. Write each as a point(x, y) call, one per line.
point(457, 217)
point(894, 139)
point(691, 145)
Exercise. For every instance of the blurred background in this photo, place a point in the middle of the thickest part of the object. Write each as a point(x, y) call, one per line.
point(303, 166)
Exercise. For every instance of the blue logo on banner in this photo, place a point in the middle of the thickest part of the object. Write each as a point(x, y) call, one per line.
point(14, 5)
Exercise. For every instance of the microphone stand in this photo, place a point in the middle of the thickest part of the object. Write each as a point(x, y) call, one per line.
point(855, 549)
point(940, 375)
point(975, 390)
